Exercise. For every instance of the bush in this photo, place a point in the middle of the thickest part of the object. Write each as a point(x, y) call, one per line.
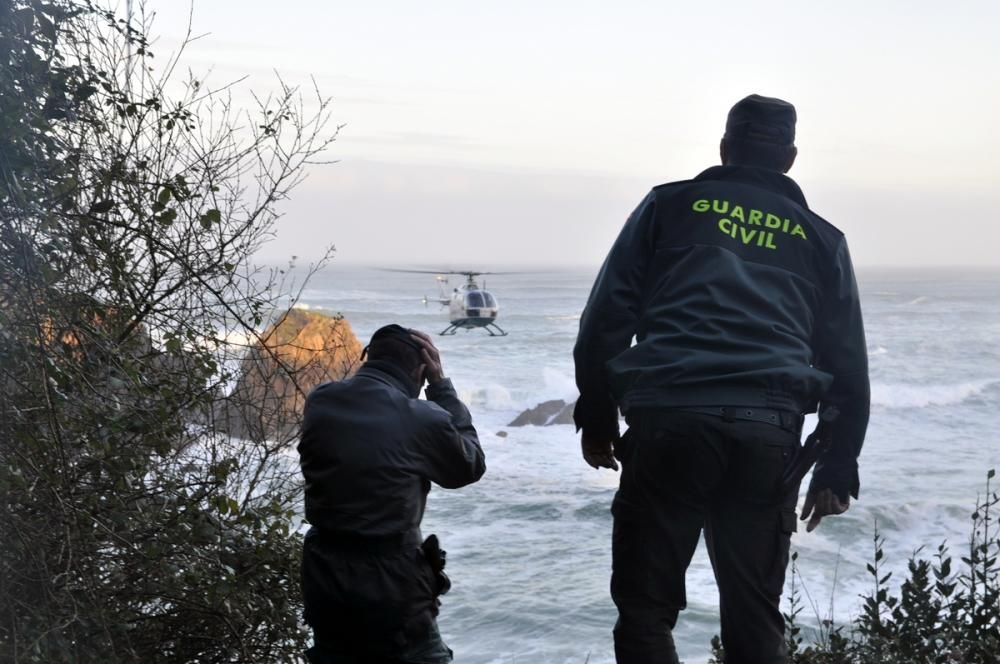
point(135, 528)
point(937, 615)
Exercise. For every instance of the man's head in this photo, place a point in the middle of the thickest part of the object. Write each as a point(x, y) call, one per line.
point(760, 131)
point(394, 344)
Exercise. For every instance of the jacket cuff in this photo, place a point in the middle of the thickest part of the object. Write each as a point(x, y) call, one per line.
point(439, 389)
point(841, 479)
point(596, 420)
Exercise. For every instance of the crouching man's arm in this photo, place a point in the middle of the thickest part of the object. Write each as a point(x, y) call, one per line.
point(452, 453)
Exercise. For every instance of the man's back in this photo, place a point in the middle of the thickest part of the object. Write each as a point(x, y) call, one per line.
point(370, 450)
point(736, 272)
point(745, 315)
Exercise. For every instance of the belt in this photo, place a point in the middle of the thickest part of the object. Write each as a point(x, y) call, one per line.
point(784, 419)
point(368, 544)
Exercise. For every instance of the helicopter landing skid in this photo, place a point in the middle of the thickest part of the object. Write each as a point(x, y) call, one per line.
point(453, 328)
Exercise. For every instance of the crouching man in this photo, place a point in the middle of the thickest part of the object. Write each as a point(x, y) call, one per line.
point(369, 450)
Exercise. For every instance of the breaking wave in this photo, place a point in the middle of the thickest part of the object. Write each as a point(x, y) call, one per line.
point(897, 395)
point(489, 397)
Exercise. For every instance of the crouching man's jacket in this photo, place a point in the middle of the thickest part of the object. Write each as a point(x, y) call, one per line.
point(370, 449)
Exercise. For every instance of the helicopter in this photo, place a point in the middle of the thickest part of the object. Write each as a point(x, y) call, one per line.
point(469, 306)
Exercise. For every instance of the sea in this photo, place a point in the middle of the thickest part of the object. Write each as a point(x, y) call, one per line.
point(529, 546)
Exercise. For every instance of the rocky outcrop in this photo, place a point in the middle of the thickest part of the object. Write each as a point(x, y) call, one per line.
point(546, 413)
point(300, 351)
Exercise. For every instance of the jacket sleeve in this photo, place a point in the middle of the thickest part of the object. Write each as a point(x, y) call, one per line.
point(452, 456)
point(609, 322)
point(841, 350)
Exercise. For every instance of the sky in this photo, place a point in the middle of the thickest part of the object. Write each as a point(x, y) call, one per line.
point(504, 133)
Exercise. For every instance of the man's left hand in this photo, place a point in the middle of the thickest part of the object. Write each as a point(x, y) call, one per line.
point(433, 371)
point(598, 452)
point(822, 503)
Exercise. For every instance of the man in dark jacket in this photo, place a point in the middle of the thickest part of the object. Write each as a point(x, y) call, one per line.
point(369, 450)
point(745, 314)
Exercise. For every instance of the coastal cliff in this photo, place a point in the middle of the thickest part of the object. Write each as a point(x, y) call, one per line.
point(302, 350)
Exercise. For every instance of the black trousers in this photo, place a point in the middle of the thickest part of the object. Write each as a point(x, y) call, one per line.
point(370, 605)
point(682, 473)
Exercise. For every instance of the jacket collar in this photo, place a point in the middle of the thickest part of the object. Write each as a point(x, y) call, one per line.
point(388, 373)
point(763, 178)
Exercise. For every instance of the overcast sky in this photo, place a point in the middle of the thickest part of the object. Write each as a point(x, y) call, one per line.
point(525, 132)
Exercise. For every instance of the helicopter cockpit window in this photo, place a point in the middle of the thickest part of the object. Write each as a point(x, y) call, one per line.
point(474, 299)
point(490, 300)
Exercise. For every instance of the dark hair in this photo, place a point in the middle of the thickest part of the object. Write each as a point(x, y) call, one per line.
point(757, 153)
point(393, 349)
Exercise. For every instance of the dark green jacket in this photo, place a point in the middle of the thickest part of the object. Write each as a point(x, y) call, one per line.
point(736, 295)
point(369, 451)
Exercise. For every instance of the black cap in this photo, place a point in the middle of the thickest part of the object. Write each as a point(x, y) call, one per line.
point(763, 120)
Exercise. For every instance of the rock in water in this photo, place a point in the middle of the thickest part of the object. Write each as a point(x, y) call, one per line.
point(302, 350)
point(546, 413)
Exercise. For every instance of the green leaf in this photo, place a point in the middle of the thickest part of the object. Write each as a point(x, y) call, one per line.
point(101, 207)
point(164, 196)
point(210, 217)
point(167, 217)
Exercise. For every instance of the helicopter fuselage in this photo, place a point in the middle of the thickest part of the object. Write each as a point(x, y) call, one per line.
point(471, 307)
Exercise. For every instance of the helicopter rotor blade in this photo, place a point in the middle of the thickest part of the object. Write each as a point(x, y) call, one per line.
point(468, 273)
point(392, 269)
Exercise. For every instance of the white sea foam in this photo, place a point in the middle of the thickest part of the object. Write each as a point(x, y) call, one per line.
point(899, 395)
point(558, 385)
point(879, 350)
point(487, 397)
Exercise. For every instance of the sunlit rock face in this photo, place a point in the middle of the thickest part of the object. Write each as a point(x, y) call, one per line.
point(299, 352)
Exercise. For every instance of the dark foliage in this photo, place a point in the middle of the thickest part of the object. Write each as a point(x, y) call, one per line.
point(134, 528)
point(937, 615)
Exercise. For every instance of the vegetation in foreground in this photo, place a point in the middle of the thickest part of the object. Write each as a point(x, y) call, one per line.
point(943, 612)
point(135, 526)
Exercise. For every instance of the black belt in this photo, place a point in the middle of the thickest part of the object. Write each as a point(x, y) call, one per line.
point(784, 419)
point(355, 543)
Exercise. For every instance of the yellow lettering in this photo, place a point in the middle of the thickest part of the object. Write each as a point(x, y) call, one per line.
point(700, 206)
point(756, 216)
point(725, 225)
point(785, 229)
point(770, 241)
point(746, 235)
point(760, 238)
point(772, 221)
point(737, 213)
point(798, 231)
point(720, 206)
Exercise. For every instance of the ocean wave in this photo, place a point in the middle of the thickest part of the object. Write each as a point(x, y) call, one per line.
point(489, 397)
point(897, 395)
point(879, 350)
point(559, 385)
